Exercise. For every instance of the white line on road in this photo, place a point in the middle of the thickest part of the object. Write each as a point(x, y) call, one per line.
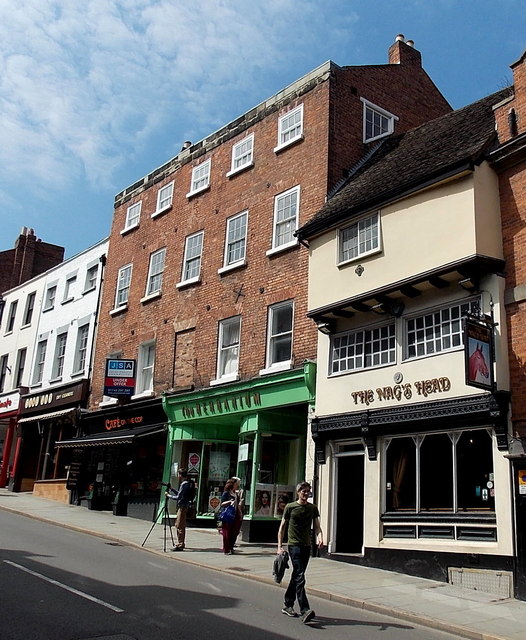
point(65, 586)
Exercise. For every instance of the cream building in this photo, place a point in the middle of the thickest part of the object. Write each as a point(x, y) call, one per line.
point(410, 430)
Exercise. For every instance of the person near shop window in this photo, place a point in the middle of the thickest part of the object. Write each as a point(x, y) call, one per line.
point(183, 496)
point(297, 521)
point(230, 530)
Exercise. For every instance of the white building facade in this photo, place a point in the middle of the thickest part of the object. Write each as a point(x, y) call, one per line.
point(59, 342)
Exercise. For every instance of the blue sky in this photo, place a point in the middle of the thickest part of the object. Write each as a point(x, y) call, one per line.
point(94, 95)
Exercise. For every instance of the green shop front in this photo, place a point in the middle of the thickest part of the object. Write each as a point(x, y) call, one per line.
point(254, 429)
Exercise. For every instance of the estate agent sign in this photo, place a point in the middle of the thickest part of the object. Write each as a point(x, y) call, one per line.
point(119, 380)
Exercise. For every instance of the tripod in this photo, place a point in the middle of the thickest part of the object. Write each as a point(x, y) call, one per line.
point(167, 523)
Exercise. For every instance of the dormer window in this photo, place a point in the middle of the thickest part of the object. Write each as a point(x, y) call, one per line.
point(377, 122)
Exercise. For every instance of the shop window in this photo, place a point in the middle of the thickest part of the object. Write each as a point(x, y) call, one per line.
point(401, 475)
point(436, 473)
point(475, 471)
point(451, 472)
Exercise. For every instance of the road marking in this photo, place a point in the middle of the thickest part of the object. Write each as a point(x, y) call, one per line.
point(65, 586)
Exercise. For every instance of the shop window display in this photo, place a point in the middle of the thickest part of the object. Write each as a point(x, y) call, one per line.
point(436, 473)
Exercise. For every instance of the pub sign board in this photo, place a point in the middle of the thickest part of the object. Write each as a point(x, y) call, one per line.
point(119, 380)
point(478, 352)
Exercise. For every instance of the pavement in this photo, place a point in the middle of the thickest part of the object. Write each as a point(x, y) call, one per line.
point(462, 612)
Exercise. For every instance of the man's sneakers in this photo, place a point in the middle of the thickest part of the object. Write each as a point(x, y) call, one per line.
point(307, 616)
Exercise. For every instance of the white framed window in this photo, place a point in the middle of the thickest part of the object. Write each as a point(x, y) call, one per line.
point(228, 349)
point(242, 155)
point(437, 331)
point(193, 252)
point(20, 367)
point(236, 241)
point(60, 354)
point(286, 212)
point(11, 317)
point(40, 360)
point(133, 215)
point(51, 294)
point(279, 334)
point(145, 366)
point(290, 128)
point(377, 122)
point(68, 289)
point(363, 349)
point(164, 199)
point(200, 178)
point(30, 306)
point(123, 286)
point(155, 272)
point(3, 371)
point(359, 239)
point(81, 348)
point(91, 278)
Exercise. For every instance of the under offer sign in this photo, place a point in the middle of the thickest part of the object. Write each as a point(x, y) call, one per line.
point(120, 378)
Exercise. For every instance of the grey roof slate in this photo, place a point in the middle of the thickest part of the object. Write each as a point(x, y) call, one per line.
point(409, 161)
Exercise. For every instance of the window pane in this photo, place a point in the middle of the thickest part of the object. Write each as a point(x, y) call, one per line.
point(401, 475)
point(443, 330)
point(474, 471)
point(436, 473)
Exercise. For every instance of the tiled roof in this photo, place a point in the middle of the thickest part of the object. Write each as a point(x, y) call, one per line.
point(406, 163)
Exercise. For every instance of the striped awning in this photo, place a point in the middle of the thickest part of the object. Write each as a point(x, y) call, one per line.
point(48, 416)
point(112, 438)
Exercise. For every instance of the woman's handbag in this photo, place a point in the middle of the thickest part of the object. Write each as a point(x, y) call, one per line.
point(228, 514)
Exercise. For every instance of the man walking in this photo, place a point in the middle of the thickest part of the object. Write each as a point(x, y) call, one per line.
point(184, 496)
point(297, 521)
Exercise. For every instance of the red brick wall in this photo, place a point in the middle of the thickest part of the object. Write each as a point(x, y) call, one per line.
point(184, 322)
point(264, 281)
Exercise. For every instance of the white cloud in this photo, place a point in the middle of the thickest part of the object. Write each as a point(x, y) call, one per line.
point(84, 85)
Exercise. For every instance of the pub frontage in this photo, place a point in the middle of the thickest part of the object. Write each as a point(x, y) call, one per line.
point(256, 430)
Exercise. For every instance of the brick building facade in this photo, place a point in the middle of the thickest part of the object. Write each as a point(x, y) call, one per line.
point(206, 283)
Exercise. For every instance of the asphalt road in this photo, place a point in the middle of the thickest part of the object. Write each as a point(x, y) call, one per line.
point(57, 584)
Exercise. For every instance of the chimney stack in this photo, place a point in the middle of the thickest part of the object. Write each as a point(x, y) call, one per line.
point(403, 51)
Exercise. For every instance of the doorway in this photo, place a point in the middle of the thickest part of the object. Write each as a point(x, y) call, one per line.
point(349, 505)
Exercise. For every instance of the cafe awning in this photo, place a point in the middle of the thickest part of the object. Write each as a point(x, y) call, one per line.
point(112, 438)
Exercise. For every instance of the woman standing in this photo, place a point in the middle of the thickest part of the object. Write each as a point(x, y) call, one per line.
point(230, 530)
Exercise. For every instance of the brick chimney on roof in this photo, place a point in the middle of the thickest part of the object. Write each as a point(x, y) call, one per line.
point(403, 51)
point(519, 86)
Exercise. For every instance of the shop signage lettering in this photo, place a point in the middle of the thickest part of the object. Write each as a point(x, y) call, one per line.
point(122, 422)
point(5, 404)
point(404, 391)
point(39, 401)
point(223, 405)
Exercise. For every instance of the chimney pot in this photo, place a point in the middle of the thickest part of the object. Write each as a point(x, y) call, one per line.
point(400, 37)
point(410, 43)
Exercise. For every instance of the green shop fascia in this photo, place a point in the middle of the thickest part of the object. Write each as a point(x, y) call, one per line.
point(254, 429)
